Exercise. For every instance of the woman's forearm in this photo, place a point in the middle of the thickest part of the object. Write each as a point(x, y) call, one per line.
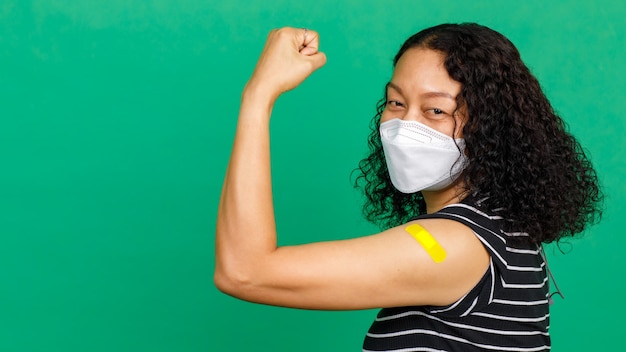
point(246, 228)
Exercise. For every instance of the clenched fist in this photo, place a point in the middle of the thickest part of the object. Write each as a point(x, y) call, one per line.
point(290, 55)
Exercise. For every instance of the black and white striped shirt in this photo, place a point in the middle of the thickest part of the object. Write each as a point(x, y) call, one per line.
point(506, 311)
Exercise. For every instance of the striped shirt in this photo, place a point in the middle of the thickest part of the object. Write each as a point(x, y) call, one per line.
point(506, 311)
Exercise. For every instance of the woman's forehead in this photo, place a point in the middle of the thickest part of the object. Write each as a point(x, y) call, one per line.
point(422, 71)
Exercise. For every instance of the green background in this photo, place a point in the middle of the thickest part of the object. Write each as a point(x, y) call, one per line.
point(116, 121)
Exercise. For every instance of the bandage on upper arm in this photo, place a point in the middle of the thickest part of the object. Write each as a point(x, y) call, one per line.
point(430, 244)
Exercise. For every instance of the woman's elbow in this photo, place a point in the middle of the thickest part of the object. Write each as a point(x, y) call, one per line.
point(232, 283)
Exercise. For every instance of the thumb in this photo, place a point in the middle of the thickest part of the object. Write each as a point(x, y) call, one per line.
point(317, 60)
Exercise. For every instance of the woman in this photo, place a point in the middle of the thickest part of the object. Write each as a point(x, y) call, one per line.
point(470, 172)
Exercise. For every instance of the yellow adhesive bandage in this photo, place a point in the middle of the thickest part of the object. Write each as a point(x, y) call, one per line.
point(428, 242)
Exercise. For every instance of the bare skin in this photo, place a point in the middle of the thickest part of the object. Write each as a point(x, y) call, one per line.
point(388, 269)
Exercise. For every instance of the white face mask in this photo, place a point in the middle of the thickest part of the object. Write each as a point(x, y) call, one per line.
point(420, 158)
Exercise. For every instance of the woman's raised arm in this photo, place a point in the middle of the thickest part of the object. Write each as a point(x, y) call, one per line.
point(246, 230)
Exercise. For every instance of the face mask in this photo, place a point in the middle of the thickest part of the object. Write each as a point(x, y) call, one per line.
point(420, 158)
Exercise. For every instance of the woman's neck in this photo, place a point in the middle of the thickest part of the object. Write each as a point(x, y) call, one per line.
point(436, 200)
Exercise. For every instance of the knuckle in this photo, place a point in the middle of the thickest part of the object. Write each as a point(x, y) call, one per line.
point(283, 31)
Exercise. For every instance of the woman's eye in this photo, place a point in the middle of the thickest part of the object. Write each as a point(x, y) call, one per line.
point(436, 112)
point(394, 103)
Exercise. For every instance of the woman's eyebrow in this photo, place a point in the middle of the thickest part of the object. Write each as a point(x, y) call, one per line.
point(433, 94)
point(437, 95)
point(394, 86)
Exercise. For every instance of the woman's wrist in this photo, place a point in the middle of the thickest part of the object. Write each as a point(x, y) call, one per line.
point(256, 103)
point(258, 91)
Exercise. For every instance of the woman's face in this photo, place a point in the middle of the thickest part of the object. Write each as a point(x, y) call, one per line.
point(421, 90)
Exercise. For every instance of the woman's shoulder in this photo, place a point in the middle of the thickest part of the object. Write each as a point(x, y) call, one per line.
point(506, 247)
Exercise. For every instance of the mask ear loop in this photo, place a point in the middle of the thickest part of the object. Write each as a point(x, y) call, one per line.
point(558, 291)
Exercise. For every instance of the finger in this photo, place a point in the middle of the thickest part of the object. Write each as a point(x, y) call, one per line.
point(310, 42)
point(303, 39)
point(310, 37)
point(308, 51)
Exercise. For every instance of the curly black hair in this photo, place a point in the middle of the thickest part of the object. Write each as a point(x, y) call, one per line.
point(522, 161)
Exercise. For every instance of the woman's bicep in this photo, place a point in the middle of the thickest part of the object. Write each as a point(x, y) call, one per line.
point(383, 270)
